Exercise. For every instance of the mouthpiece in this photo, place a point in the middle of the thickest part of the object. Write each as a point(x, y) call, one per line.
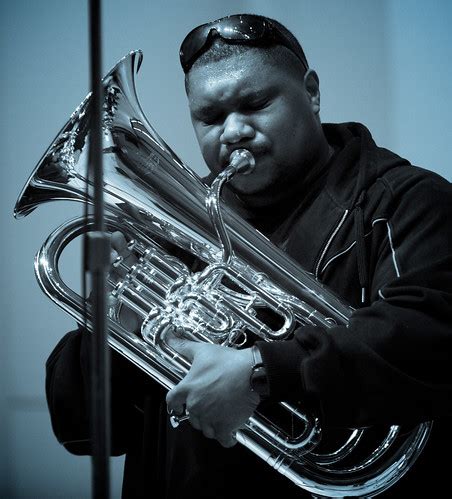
point(242, 161)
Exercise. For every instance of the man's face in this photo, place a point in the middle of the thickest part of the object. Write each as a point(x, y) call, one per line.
point(244, 101)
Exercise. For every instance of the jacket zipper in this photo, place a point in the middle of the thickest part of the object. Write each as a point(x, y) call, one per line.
point(328, 243)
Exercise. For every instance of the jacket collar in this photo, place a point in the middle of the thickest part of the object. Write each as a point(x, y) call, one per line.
point(358, 163)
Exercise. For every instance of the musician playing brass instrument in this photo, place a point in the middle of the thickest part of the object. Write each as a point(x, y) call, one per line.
point(361, 219)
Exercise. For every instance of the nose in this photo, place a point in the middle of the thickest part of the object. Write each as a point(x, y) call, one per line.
point(236, 128)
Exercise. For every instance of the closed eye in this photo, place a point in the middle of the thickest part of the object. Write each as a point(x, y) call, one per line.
point(257, 105)
point(211, 120)
point(207, 119)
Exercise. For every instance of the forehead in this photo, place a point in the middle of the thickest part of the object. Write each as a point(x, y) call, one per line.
point(249, 71)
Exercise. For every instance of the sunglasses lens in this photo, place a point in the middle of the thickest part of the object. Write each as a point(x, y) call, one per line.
point(240, 27)
point(193, 44)
point(243, 28)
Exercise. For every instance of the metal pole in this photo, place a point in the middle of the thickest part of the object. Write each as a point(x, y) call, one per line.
point(99, 255)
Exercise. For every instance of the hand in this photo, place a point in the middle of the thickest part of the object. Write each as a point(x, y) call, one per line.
point(216, 391)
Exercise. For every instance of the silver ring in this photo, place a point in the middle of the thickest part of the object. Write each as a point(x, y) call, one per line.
point(177, 419)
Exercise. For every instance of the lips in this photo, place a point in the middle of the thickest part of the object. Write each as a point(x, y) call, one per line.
point(225, 156)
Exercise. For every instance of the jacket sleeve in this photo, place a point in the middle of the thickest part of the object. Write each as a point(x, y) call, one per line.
point(68, 399)
point(391, 364)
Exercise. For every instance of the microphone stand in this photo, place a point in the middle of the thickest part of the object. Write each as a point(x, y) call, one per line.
point(98, 263)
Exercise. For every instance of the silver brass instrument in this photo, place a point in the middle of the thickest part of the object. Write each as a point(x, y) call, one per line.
point(157, 201)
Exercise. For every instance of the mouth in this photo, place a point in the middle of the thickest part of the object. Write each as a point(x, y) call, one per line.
point(225, 158)
point(242, 161)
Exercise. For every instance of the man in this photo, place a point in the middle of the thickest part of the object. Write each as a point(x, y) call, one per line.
point(360, 218)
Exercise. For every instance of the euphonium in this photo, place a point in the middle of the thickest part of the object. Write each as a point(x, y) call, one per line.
point(169, 213)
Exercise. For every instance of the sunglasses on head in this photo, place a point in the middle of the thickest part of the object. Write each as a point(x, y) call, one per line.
point(240, 28)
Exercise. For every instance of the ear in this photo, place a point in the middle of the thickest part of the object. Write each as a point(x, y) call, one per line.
point(311, 84)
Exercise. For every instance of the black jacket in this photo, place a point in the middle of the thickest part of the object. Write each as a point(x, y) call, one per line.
point(374, 229)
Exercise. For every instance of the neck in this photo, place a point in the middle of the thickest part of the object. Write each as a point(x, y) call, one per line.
point(325, 153)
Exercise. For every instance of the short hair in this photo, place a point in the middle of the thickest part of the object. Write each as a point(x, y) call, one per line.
point(221, 49)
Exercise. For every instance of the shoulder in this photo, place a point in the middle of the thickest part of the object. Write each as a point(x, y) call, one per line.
point(414, 180)
point(412, 191)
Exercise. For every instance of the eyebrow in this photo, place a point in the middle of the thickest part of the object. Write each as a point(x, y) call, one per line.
point(204, 111)
point(258, 93)
point(245, 96)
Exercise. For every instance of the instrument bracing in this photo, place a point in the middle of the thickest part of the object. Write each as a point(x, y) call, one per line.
point(244, 285)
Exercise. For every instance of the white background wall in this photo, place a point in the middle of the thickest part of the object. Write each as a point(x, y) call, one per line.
point(385, 63)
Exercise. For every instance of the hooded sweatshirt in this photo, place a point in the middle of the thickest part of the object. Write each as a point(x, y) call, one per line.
point(374, 229)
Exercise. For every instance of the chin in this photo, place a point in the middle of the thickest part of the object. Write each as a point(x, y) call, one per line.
point(252, 193)
point(259, 180)
point(244, 184)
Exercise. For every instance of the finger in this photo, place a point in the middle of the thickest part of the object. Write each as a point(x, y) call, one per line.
point(194, 421)
point(119, 242)
point(114, 255)
point(115, 271)
point(176, 398)
point(208, 431)
point(185, 347)
point(226, 439)
point(178, 411)
point(123, 249)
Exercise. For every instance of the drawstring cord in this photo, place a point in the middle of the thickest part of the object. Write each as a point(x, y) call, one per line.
point(361, 253)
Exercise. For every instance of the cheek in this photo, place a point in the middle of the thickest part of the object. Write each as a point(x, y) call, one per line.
point(209, 145)
point(277, 123)
point(293, 130)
